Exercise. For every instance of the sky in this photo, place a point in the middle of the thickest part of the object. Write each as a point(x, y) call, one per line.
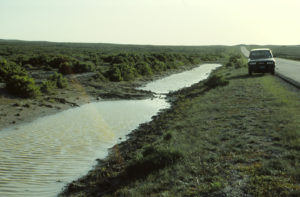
point(155, 22)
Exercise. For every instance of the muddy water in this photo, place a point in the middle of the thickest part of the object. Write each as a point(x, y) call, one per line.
point(39, 158)
point(180, 80)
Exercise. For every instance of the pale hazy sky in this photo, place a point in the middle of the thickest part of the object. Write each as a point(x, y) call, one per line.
point(164, 22)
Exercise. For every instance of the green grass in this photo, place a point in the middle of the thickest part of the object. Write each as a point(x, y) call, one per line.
point(238, 139)
point(287, 105)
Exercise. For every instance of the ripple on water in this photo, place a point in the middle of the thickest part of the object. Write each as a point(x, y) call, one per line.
point(42, 156)
point(39, 158)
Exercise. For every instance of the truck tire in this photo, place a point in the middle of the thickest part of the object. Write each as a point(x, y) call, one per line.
point(249, 71)
point(273, 71)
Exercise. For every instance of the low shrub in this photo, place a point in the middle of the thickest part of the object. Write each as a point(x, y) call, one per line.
point(28, 66)
point(158, 66)
point(23, 86)
point(234, 58)
point(129, 72)
point(17, 80)
point(229, 65)
point(114, 74)
point(76, 67)
point(66, 68)
point(168, 137)
point(160, 56)
point(82, 67)
point(59, 80)
point(237, 61)
point(178, 64)
point(215, 81)
point(120, 59)
point(58, 60)
point(152, 159)
point(206, 57)
point(38, 61)
point(100, 76)
point(240, 63)
point(122, 72)
point(143, 68)
point(106, 58)
point(48, 86)
point(9, 69)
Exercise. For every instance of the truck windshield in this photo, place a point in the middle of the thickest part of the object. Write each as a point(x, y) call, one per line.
point(260, 54)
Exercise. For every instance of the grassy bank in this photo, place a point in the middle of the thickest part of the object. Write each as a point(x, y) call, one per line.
point(237, 137)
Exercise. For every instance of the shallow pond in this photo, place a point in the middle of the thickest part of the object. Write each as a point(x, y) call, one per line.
point(41, 157)
point(180, 80)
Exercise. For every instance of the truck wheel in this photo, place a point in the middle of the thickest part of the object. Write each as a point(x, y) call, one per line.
point(273, 71)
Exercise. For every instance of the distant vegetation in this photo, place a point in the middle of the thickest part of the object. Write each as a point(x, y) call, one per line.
point(55, 81)
point(110, 62)
point(288, 52)
point(236, 61)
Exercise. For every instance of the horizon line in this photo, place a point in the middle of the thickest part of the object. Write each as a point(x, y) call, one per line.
point(159, 45)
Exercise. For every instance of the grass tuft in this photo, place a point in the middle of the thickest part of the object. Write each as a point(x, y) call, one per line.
point(215, 81)
point(153, 159)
